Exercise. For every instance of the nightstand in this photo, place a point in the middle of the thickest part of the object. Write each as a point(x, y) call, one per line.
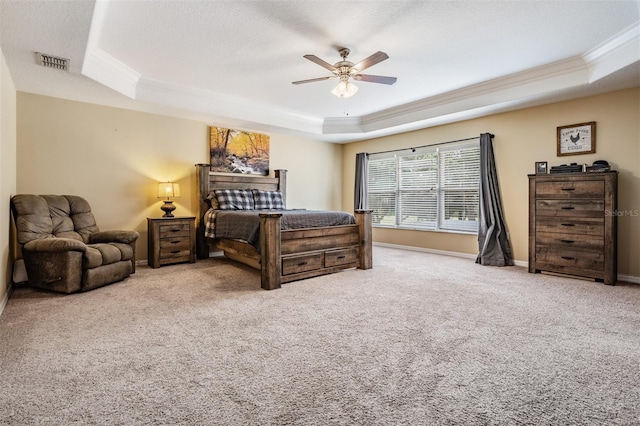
point(171, 240)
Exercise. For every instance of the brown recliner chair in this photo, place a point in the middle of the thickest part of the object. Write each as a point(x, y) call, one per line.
point(63, 248)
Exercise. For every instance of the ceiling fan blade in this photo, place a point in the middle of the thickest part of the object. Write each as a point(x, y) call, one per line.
point(375, 78)
point(311, 80)
point(327, 65)
point(371, 60)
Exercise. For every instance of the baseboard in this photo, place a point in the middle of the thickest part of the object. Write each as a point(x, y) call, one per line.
point(629, 279)
point(442, 252)
point(145, 262)
point(5, 299)
point(525, 264)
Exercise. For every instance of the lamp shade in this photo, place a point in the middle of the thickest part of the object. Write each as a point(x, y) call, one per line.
point(168, 190)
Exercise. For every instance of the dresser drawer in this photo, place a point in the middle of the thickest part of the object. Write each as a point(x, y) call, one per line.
point(302, 263)
point(570, 241)
point(587, 225)
point(340, 257)
point(570, 208)
point(590, 260)
point(570, 189)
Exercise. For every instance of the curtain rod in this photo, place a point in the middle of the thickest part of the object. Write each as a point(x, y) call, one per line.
point(425, 146)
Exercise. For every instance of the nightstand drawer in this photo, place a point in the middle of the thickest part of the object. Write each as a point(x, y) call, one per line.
point(175, 247)
point(173, 242)
point(177, 229)
point(174, 252)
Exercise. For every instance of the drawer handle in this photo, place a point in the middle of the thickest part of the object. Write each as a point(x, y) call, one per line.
point(568, 208)
point(340, 257)
point(302, 263)
point(568, 189)
point(175, 251)
point(568, 257)
point(175, 242)
point(567, 241)
point(568, 224)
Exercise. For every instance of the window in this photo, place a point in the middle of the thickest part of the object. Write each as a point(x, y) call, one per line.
point(431, 188)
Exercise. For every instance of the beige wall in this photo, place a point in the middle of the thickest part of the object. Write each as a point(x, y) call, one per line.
point(7, 173)
point(115, 157)
point(314, 176)
point(522, 138)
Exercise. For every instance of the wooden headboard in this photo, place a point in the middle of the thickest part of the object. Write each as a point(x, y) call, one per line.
point(208, 181)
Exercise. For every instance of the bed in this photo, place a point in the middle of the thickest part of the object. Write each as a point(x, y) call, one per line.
point(282, 255)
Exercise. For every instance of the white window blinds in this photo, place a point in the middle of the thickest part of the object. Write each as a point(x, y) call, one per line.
point(434, 189)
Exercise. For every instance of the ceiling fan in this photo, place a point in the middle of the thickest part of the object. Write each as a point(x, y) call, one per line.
point(345, 70)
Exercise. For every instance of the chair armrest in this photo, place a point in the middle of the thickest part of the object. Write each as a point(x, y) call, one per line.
point(55, 245)
point(126, 237)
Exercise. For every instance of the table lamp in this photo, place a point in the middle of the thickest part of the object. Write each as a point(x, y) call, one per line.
point(168, 190)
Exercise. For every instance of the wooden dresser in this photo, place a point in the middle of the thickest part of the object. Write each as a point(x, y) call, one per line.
point(171, 240)
point(572, 224)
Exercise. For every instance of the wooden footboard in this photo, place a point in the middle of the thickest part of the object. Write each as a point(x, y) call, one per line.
point(296, 254)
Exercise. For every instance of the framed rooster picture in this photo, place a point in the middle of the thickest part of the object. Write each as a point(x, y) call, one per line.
point(577, 139)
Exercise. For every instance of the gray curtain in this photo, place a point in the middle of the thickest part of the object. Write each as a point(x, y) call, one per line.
point(493, 239)
point(360, 196)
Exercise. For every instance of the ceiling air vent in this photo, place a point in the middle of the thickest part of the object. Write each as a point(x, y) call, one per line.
point(51, 61)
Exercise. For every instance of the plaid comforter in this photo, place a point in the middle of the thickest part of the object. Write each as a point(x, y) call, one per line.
point(245, 224)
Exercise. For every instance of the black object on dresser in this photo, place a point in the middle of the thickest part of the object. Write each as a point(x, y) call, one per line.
point(171, 240)
point(572, 224)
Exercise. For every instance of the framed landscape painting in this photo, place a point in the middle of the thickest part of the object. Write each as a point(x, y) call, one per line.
point(237, 151)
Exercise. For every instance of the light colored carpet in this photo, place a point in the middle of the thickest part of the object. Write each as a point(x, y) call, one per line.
point(421, 339)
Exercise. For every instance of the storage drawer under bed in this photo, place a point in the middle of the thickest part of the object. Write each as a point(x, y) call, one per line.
point(340, 257)
point(302, 263)
point(311, 261)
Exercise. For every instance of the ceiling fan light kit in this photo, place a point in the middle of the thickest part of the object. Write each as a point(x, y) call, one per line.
point(345, 89)
point(344, 70)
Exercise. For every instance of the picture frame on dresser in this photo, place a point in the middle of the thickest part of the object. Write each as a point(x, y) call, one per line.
point(541, 167)
point(576, 139)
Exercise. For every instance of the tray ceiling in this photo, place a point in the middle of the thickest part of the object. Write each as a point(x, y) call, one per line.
point(231, 63)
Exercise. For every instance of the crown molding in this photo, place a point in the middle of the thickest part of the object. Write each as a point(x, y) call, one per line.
point(98, 65)
point(614, 54)
point(469, 99)
point(624, 38)
point(261, 116)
